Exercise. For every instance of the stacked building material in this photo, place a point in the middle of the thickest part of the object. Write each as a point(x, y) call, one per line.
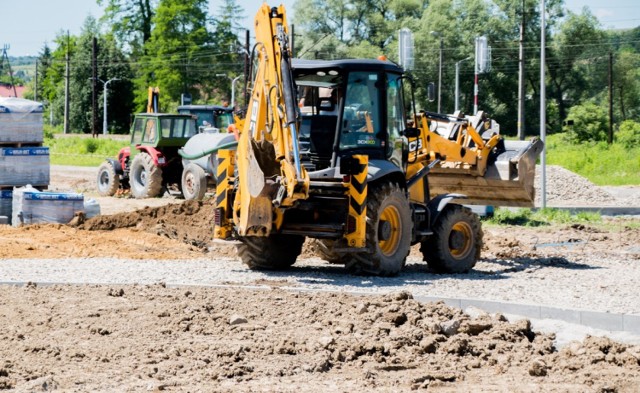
point(5, 206)
point(31, 206)
point(23, 159)
point(20, 121)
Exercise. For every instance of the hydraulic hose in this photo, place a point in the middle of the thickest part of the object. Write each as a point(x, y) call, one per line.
point(207, 152)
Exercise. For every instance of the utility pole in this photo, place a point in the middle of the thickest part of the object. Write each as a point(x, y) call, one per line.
point(247, 55)
point(292, 40)
point(439, 35)
point(521, 90)
point(543, 102)
point(610, 134)
point(94, 88)
point(5, 48)
point(66, 89)
point(457, 92)
point(35, 87)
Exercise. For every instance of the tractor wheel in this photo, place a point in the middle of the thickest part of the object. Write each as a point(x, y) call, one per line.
point(324, 249)
point(388, 232)
point(194, 182)
point(456, 242)
point(275, 252)
point(145, 177)
point(108, 179)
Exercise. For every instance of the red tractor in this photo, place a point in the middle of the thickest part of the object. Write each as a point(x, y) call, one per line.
point(151, 163)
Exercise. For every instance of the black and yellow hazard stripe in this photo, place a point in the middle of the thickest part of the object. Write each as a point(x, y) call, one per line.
point(357, 189)
point(223, 225)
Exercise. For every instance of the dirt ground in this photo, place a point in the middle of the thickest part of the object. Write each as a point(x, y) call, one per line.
point(155, 338)
point(134, 338)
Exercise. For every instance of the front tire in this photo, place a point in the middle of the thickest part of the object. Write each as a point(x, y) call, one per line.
point(108, 179)
point(194, 182)
point(145, 177)
point(275, 252)
point(389, 227)
point(456, 242)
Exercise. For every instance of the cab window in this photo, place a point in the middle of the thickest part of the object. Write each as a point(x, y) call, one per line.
point(138, 129)
point(150, 130)
point(361, 120)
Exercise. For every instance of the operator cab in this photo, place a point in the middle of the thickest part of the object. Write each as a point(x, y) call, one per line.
point(349, 107)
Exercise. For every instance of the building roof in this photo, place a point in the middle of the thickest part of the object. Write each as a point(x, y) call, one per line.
point(7, 91)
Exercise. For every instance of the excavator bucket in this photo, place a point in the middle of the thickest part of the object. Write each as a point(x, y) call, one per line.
point(508, 181)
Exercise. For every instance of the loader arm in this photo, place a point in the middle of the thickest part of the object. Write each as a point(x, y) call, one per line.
point(271, 177)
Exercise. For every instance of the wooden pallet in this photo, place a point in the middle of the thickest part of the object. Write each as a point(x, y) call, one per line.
point(10, 188)
point(19, 144)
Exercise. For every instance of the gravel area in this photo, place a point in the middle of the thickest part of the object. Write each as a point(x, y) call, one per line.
point(583, 281)
point(566, 188)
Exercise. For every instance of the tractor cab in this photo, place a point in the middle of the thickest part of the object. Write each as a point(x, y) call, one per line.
point(209, 116)
point(349, 107)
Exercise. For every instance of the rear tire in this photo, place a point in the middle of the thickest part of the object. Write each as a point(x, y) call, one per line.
point(108, 179)
point(145, 177)
point(275, 252)
point(324, 249)
point(194, 182)
point(456, 242)
point(388, 232)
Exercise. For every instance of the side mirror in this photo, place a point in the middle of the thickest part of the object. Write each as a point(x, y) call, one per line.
point(431, 92)
point(411, 132)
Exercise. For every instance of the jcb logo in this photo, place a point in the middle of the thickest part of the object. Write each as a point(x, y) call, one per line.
point(415, 145)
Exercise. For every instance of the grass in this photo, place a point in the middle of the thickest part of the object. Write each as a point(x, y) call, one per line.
point(600, 163)
point(80, 150)
point(548, 216)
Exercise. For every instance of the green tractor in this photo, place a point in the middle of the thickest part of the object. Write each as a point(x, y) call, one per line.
point(151, 163)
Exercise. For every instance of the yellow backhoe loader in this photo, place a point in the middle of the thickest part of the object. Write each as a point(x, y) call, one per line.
point(335, 151)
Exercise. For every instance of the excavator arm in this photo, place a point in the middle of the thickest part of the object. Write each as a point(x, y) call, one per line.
point(270, 174)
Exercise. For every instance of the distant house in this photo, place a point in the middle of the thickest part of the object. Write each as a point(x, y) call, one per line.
point(7, 91)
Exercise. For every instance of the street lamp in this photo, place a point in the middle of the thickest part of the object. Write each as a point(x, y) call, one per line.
point(438, 34)
point(457, 100)
point(104, 96)
point(104, 120)
point(233, 87)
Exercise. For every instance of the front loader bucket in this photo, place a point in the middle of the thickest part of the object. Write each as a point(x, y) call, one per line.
point(509, 181)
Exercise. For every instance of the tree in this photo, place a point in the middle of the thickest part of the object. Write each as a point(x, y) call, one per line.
point(578, 43)
point(131, 21)
point(178, 54)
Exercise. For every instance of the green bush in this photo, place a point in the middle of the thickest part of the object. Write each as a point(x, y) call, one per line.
point(589, 123)
point(628, 134)
point(90, 145)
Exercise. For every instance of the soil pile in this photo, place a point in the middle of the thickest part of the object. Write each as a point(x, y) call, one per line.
point(190, 222)
point(157, 338)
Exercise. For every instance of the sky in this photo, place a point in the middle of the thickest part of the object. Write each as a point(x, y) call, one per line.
point(25, 25)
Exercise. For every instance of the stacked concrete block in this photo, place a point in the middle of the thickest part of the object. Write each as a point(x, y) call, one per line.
point(31, 206)
point(6, 197)
point(20, 121)
point(20, 166)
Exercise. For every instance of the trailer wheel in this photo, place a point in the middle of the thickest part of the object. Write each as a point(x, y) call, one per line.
point(194, 182)
point(145, 177)
point(388, 232)
point(456, 242)
point(275, 252)
point(108, 180)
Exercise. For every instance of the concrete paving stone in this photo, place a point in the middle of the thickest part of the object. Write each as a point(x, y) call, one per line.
point(631, 323)
point(600, 320)
point(572, 316)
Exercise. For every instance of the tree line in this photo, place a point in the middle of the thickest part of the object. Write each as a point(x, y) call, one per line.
point(176, 45)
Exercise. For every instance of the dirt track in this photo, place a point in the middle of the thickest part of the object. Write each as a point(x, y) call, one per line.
point(136, 337)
